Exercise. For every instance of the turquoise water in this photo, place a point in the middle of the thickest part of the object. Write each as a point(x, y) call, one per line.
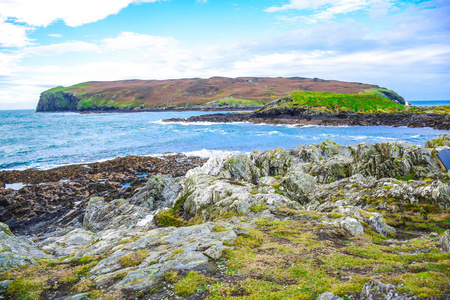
point(430, 102)
point(44, 140)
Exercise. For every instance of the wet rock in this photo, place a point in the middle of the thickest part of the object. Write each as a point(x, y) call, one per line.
point(375, 289)
point(61, 189)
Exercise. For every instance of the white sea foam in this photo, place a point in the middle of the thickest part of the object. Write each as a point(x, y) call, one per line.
point(208, 153)
point(160, 122)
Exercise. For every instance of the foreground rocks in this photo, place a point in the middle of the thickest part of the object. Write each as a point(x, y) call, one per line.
point(318, 221)
point(57, 197)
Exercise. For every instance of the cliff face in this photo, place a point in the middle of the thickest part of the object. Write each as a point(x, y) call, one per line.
point(59, 101)
point(212, 93)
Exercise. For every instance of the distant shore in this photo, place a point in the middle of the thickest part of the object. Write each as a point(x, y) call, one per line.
point(435, 121)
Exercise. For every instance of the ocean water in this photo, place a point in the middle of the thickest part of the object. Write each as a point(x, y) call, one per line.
point(429, 102)
point(45, 140)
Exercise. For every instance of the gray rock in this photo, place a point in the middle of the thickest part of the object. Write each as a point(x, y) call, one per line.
point(352, 226)
point(17, 251)
point(297, 184)
point(328, 296)
point(160, 191)
point(376, 221)
point(374, 290)
point(81, 296)
point(208, 196)
point(68, 243)
point(444, 242)
point(101, 215)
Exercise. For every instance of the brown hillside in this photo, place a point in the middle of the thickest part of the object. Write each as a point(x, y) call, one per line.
point(183, 91)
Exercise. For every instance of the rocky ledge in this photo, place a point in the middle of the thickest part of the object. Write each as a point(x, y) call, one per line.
point(320, 221)
point(436, 121)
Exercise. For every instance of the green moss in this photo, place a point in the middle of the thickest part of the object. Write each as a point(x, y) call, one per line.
point(219, 228)
point(171, 217)
point(178, 251)
point(190, 284)
point(133, 258)
point(27, 288)
point(257, 208)
point(171, 276)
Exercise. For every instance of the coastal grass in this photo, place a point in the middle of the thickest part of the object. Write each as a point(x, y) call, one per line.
point(364, 103)
point(233, 102)
point(35, 281)
point(300, 259)
point(191, 284)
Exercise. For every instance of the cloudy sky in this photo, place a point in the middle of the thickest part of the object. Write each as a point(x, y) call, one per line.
point(401, 45)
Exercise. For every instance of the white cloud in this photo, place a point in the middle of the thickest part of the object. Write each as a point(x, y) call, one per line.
point(19, 17)
point(12, 35)
point(131, 40)
point(72, 12)
point(328, 9)
point(58, 49)
point(55, 35)
point(302, 4)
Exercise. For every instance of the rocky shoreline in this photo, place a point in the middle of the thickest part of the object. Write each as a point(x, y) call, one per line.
point(436, 121)
point(320, 221)
point(48, 195)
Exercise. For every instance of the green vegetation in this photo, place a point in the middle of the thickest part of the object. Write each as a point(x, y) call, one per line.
point(171, 217)
point(79, 86)
point(345, 102)
point(232, 102)
point(133, 258)
point(33, 282)
point(190, 284)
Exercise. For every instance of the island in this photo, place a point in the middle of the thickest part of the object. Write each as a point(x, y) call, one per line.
point(216, 93)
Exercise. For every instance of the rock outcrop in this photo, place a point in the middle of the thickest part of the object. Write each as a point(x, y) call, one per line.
point(320, 220)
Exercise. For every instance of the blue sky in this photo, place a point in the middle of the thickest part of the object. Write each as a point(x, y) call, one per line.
point(401, 45)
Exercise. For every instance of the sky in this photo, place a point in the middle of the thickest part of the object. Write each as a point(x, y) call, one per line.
point(400, 45)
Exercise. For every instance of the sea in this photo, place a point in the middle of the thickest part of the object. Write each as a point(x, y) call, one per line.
point(45, 140)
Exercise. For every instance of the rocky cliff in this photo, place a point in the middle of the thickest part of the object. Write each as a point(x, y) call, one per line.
point(320, 221)
point(213, 93)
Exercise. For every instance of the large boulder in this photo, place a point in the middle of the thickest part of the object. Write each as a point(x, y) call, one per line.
point(297, 184)
point(101, 215)
point(160, 191)
point(208, 196)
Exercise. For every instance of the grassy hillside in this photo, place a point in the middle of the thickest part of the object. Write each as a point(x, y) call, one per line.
point(215, 92)
point(344, 102)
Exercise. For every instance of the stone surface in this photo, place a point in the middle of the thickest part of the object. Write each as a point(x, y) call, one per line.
point(374, 290)
point(17, 251)
point(352, 226)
